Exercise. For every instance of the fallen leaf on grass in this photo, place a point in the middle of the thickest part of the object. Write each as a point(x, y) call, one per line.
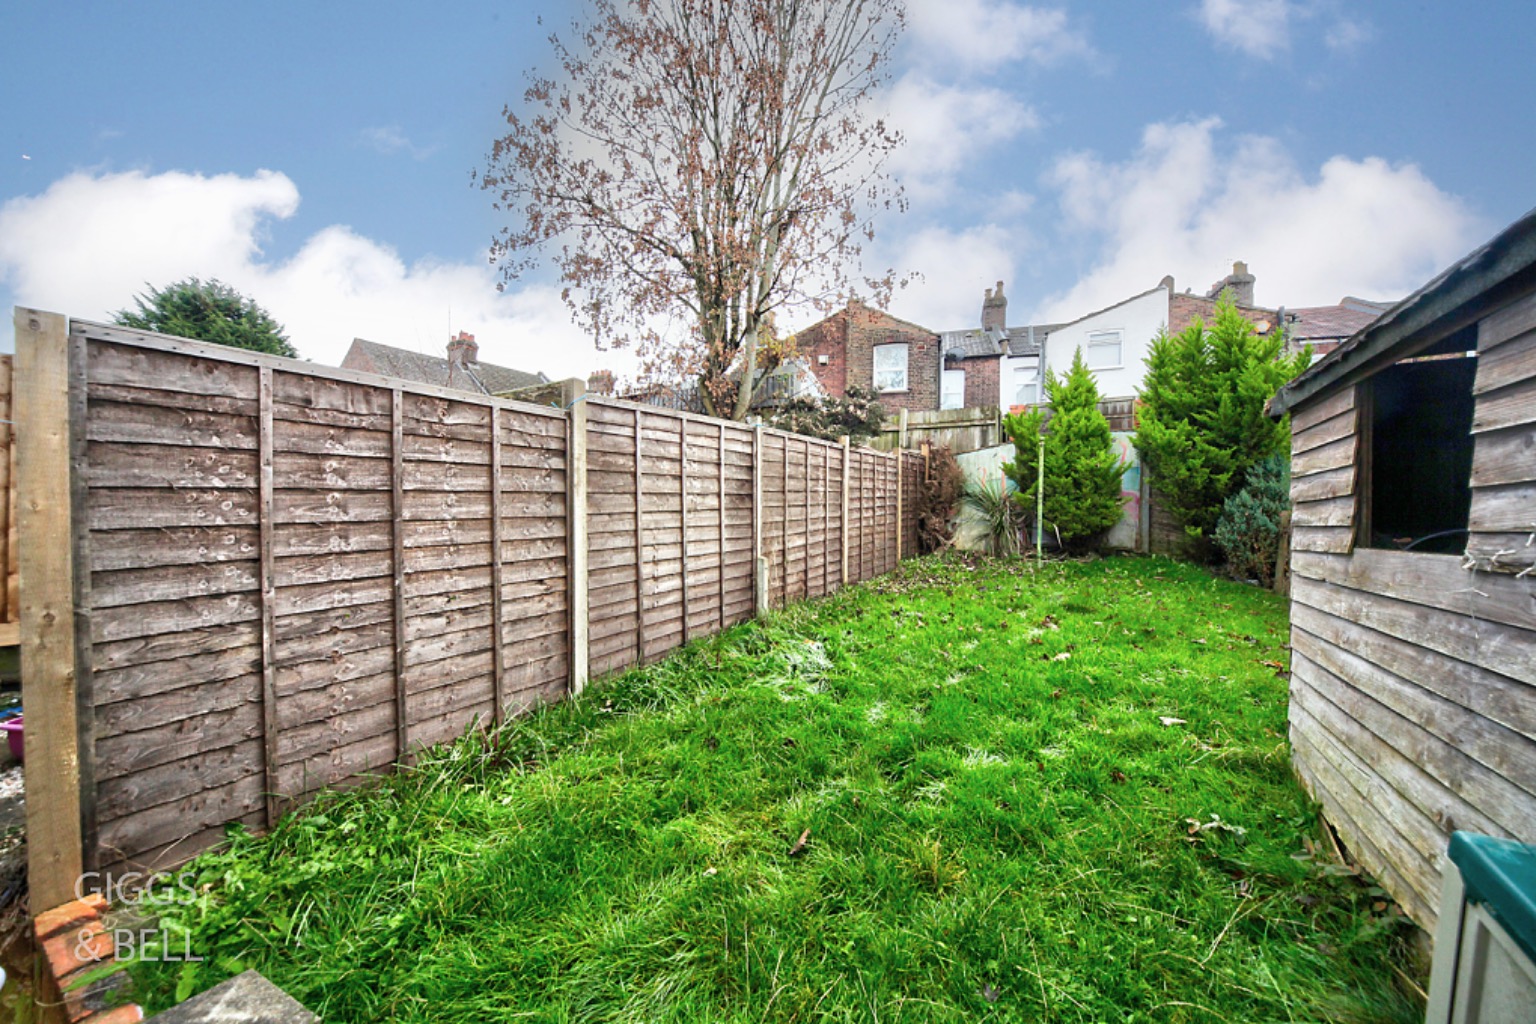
point(1166, 720)
point(989, 993)
point(1196, 826)
point(799, 846)
point(1063, 656)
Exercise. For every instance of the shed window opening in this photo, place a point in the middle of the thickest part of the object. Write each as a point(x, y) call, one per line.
point(1418, 490)
point(890, 367)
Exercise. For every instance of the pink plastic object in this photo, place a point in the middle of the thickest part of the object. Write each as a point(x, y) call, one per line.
point(13, 730)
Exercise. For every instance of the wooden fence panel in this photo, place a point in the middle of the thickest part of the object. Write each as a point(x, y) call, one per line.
point(171, 478)
point(296, 576)
point(661, 533)
point(535, 559)
point(739, 517)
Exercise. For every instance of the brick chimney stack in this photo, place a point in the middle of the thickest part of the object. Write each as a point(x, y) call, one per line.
point(462, 350)
point(994, 309)
point(1241, 283)
point(600, 382)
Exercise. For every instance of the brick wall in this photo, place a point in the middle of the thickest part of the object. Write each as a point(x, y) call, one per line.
point(981, 383)
point(848, 339)
point(828, 338)
point(1183, 309)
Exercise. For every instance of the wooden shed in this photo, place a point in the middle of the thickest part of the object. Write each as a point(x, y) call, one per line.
point(1413, 603)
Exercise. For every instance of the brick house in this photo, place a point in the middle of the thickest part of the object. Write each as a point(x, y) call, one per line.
point(859, 346)
point(972, 358)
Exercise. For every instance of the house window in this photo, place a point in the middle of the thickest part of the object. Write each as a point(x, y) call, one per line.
point(1104, 350)
point(890, 367)
point(1415, 490)
point(952, 393)
point(1026, 383)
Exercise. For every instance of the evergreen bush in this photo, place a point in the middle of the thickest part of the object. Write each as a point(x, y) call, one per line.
point(1248, 532)
point(208, 311)
point(1082, 470)
point(1201, 424)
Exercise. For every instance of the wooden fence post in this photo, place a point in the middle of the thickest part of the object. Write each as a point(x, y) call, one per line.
point(9, 636)
point(901, 524)
point(397, 586)
point(639, 538)
point(498, 576)
point(901, 429)
point(682, 492)
point(759, 563)
point(268, 581)
point(54, 669)
point(847, 458)
point(720, 561)
point(573, 395)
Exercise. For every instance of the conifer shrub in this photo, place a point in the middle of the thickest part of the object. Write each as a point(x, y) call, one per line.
point(1248, 532)
point(1201, 424)
point(1082, 469)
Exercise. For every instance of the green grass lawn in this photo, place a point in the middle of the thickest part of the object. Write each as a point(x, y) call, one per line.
point(1053, 795)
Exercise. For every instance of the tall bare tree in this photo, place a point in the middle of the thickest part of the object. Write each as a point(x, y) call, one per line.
point(714, 159)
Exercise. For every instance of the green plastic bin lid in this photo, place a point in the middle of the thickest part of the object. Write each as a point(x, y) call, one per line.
point(1501, 875)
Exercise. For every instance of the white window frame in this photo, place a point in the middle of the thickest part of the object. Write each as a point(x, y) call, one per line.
point(890, 377)
point(949, 397)
point(1032, 384)
point(1101, 341)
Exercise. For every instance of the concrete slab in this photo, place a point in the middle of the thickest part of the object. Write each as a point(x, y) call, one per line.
point(244, 999)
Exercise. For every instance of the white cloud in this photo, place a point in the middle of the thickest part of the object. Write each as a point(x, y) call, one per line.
point(90, 242)
point(1259, 28)
point(1347, 34)
point(1189, 204)
point(957, 267)
point(983, 34)
point(391, 139)
point(948, 127)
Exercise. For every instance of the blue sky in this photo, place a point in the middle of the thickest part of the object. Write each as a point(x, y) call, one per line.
point(318, 156)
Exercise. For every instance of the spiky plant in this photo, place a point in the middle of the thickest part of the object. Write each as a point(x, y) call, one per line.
point(990, 521)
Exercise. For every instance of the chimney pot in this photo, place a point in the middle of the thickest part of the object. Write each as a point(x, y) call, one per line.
point(994, 309)
point(462, 349)
point(601, 382)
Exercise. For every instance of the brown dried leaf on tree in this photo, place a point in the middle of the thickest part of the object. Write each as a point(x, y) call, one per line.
point(702, 162)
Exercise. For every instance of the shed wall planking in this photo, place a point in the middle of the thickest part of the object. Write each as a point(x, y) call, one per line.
point(1413, 684)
